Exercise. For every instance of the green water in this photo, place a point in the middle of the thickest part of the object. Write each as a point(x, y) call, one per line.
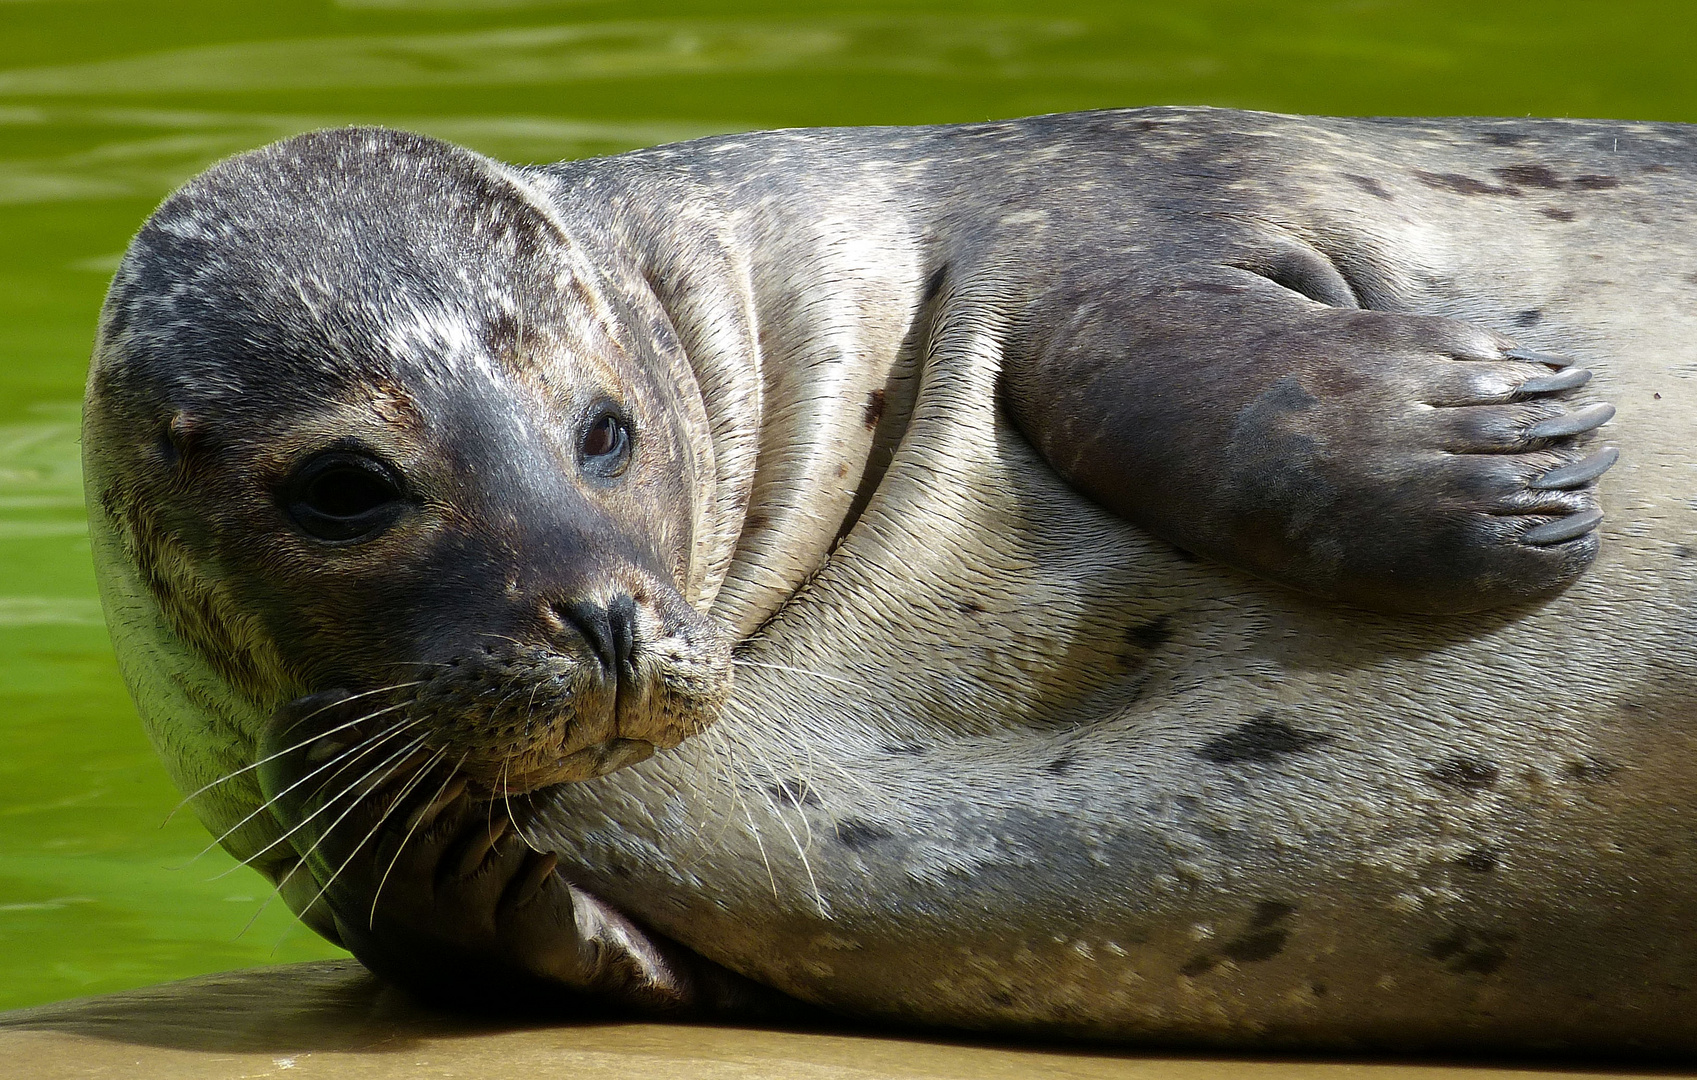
point(105, 106)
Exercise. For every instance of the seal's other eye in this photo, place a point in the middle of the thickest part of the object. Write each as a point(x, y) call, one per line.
point(341, 496)
point(605, 446)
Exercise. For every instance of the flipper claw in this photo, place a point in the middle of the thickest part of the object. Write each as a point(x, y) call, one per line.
point(1552, 359)
point(1573, 423)
point(1570, 379)
point(1579, 473)
point(1554, 532)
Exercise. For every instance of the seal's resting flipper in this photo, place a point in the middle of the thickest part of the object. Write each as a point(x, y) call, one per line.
point(437, 891)
point(1394, 461)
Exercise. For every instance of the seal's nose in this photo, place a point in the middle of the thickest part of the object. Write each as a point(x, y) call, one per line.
point(610, 631)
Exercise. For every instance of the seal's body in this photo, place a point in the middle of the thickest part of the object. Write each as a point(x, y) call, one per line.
point(993, 755)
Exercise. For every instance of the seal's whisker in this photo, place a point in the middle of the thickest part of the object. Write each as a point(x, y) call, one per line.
point(754, 830)
point(354, 799)
point(306, 856)
point(266, 805)
point(731, 770)
point(343, 762)
point(339, 762)
point(794, 791)
point(851, 684)
point(736, 787)
point(289, 750)
point(507, 799)
point(718, 776)
point(801, 853)
point(804, 789)
point(400, 797)
point(740, 713)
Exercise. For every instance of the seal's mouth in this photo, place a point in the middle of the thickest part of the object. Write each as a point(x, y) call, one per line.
point(516, 717)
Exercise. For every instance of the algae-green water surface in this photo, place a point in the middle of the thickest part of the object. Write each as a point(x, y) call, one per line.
point(105, 105)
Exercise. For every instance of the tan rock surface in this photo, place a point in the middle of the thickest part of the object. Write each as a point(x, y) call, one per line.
point(334, 1020)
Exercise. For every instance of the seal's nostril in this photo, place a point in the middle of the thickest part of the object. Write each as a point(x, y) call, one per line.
point(610, 631)
point(590, 620)
point(621, 613)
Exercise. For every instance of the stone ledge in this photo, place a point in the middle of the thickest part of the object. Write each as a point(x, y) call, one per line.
point(333, 1020)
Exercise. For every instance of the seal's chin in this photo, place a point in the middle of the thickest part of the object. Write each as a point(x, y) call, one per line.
point(604, 758)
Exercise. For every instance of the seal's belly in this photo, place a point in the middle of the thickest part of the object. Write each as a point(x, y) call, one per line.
point(1009, 761)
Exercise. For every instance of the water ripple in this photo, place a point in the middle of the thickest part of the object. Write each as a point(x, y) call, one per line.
point(550, 55)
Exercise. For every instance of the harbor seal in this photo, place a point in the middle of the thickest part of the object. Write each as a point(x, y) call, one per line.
point(1121, 574)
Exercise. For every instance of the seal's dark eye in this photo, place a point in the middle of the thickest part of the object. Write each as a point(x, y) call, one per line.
point(606, 443)
point(341, 496)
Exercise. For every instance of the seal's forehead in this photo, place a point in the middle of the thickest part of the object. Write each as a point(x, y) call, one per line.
point(324, 250)
point(385, 186)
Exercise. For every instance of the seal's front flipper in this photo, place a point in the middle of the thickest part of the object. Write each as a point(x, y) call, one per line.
point(1395, 461)
point(438, 892)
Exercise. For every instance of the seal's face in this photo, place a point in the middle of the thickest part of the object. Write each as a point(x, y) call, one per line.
point(366, 423)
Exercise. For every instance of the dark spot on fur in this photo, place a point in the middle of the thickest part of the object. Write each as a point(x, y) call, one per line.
point(1467, 773)
point(1654, 169)
point(1200, 964)
point(754, 521)
point(1256, 947)
point(971, 607)
point(934, 284)
point(1061, 765)
point(1317, 989)
point(1447, 946)
point(1471, 952)
point(1555, 213)
point(1185, 556)
point(1151, 635)
point(1261, 739)
point(1263, 939)
point(1680, 551)
point(1462, 185)
point(1538, 176)
point(856, 834)
point(999, 997)
point(1593, 182)
point(874, 407)
point(502, 334)
point(909, 748)
point(1268, 912)
point(1592, 770)
point(1480, 860)
point(1502, 138)
point(1529, 317)
point(794, 792)
point(1369, 185)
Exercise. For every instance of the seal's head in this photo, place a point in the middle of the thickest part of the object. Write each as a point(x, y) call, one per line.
point(363, 418)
